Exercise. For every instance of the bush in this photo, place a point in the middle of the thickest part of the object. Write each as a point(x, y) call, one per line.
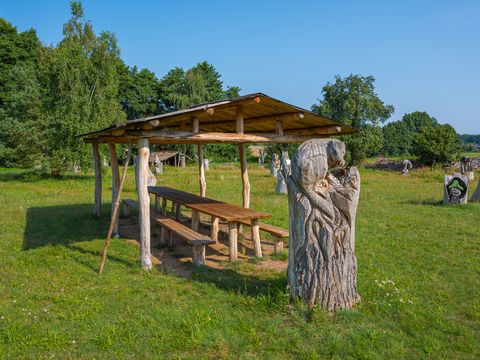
point(438, 144)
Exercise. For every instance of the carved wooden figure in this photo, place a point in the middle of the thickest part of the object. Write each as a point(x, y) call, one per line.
point(274, 165)
point(455, 189)
point(406, 167)
point(322, 265)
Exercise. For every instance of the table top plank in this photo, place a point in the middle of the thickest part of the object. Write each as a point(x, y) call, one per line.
point(222, 210)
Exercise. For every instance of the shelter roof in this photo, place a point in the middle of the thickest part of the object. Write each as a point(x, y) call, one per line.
point(217, 123)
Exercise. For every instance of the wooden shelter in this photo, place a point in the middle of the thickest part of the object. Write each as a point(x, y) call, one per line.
point(253, 118)
point(171, 158)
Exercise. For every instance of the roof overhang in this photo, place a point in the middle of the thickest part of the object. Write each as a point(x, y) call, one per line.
point(266, 120)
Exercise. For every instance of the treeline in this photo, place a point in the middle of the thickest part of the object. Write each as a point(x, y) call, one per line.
point(50, 94)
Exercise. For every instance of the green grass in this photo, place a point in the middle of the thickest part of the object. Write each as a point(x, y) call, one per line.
point(418, 275)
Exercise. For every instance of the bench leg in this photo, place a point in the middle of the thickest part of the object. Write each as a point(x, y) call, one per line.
point(199, 255)
point(195, 220)
point(126, 210)
point(278, 246)
point(164, 206)
point(233, 240)
point(162, 235)
point(157, 203)
point(174, 207)
point(214, 232)
point(170, 239)
point(178, 212)
point(257, 247)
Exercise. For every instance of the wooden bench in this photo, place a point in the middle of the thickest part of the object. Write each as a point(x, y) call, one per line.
point(196, 240)
point(276, 231)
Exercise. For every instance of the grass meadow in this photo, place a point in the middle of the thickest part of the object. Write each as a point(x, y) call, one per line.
point(418, 276)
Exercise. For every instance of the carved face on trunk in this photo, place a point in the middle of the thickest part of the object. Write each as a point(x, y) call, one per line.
point(457, 189)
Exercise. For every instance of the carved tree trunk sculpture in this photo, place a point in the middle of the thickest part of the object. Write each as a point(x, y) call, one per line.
point(322, 265)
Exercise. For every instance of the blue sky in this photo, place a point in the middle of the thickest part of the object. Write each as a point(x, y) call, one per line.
point(425, 55)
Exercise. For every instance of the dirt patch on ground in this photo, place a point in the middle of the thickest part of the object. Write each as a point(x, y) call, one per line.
point(178, 259)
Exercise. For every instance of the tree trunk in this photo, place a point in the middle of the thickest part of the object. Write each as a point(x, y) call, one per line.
point(322, 208)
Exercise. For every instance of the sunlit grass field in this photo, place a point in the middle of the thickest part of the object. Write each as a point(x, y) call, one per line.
point(418, 275)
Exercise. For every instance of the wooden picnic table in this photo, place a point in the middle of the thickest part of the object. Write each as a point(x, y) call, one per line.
point(218, 210)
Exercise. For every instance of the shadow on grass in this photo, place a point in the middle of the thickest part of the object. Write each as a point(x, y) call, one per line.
point(29, 176)
point(431, 202)
point(65, 225)
point(233, 281)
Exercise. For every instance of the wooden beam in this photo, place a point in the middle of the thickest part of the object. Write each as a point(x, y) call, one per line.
point(295, 116)
point(144, 204)
point(201, 171)
point(239, 121)
point(97, 166)
point(115, 183)
point(279, 127)
point(184, 137)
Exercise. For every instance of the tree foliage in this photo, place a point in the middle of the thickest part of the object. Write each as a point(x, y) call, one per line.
point(438, 144)
point(398, 135)
point(352, 101)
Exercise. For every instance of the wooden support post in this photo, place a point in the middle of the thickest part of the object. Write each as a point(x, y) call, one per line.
point(115, 210)
point(97, 166)
point(115, 183)
point(201, 171)
point(178, 212)
point(144, 204)
point(157, 203)
point(214, 230)
point(278, 245)
point(199, 255)
point(240, 127)
point(257, 247)
point(164, 206)
point(195, 220)
point(233, 241)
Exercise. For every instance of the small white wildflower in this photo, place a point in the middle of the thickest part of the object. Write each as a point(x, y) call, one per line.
point(73, 342)
point(29, 313)
point(2, 317)
point(401, 300)
point(45, 310)
point(14, 301)
point(35, 317)
point(410, 302)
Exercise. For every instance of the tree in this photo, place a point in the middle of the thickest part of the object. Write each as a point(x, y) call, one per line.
point(353, 101)
point(398, 135)
point(20, 97)
point(138, 92)
point(438, 144)
point(82, 81)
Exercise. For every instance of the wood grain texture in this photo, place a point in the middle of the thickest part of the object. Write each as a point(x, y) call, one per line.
point(115, 182)
point(97, 168)
point(144, 203)
point(322, 208)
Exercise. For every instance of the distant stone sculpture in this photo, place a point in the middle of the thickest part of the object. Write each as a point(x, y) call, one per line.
point(466, 167)
point(182, 160)
point(274, 165)
point(406, 167)
point(261, 159)
point(322, 266)
point(151, 179)
point(455, 189)
point(206, 164)
point(281, 187)
point(157, 164)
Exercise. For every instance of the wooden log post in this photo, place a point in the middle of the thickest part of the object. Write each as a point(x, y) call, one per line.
point(144, 204)
point(240, 129)
point(97, 166)
point(322, 266)
point(201, 174)
point(257, 247)
point(214, 230)
point(115, 184)
point(233, 241)
point(199, 255)
point(278, 245)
